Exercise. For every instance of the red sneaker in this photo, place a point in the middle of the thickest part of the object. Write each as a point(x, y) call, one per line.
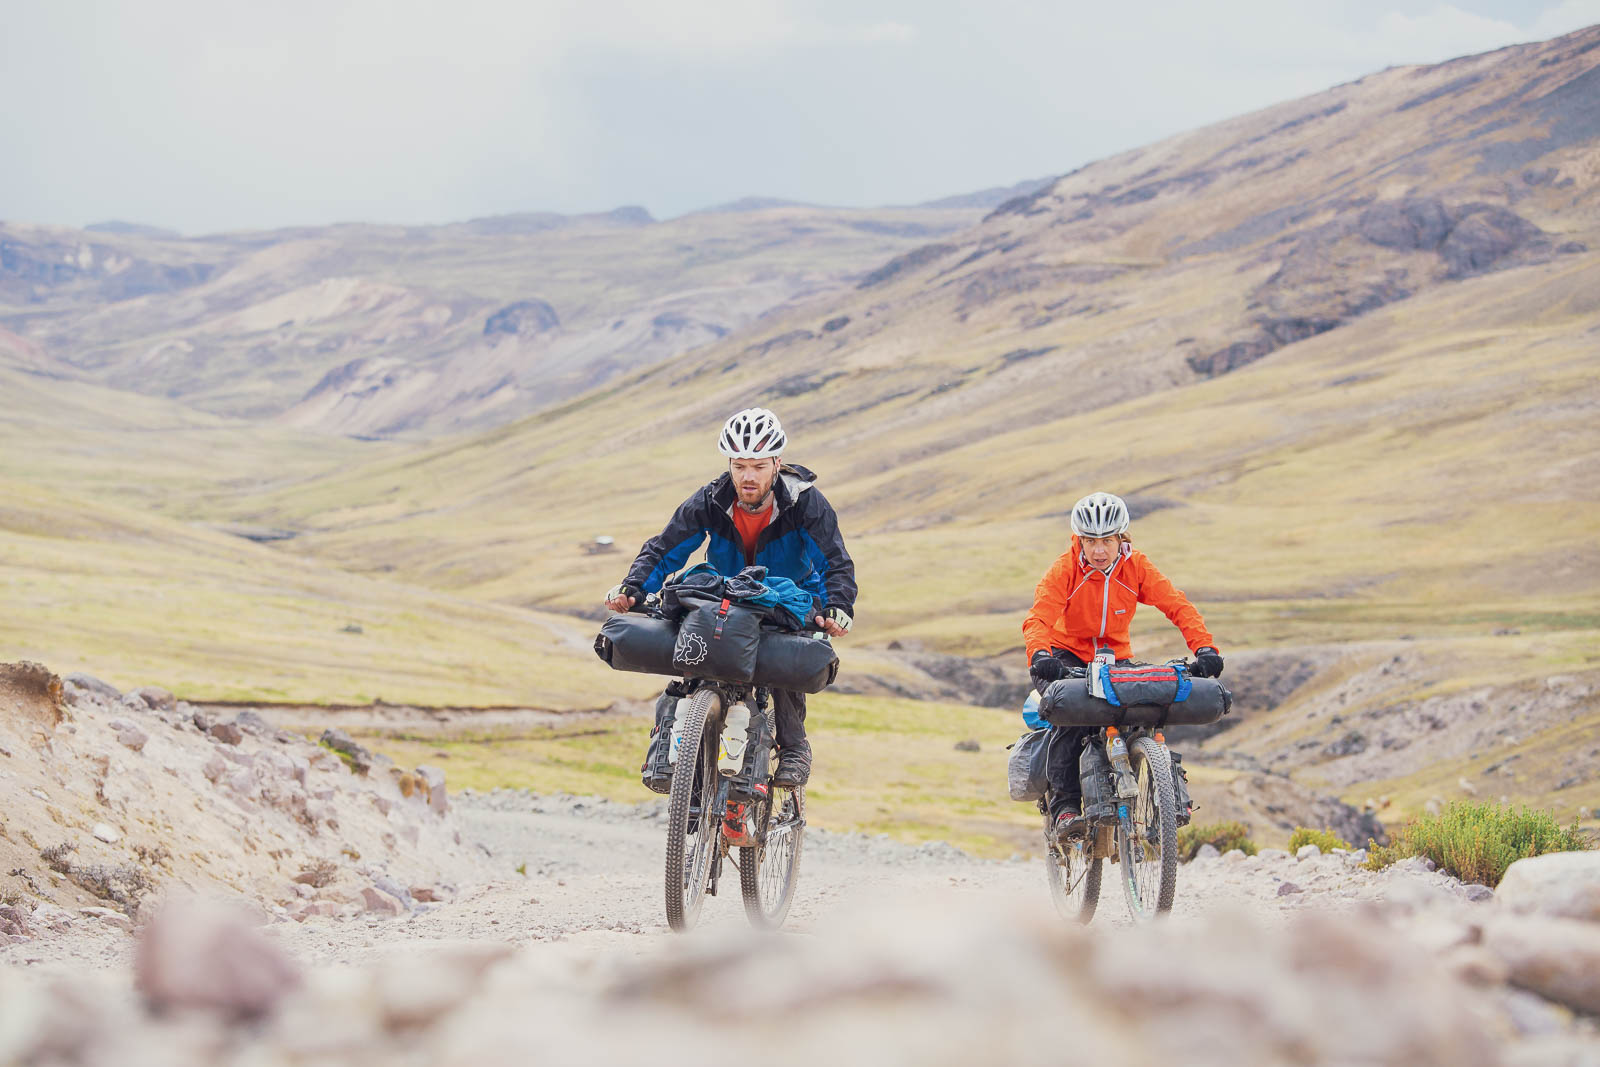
point(1068, 824)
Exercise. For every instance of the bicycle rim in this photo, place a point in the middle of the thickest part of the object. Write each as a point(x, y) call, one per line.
point(767, 874)
point(1147, 839)
point(1073, 876)
point(692, 831)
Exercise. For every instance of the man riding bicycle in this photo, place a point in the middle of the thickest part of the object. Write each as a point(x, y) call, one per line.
point(760, 512)
point(1085, 602)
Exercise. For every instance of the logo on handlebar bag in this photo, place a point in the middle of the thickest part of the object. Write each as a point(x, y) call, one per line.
point(691, 649)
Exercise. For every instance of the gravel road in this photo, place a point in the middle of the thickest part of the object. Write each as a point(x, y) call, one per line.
point(594, 870)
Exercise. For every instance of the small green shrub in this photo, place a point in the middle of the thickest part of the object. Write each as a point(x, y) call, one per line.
point(1477, 842)
point(1326, 840)
point(1221, 835)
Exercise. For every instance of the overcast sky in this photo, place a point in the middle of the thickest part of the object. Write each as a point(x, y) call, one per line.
point(207, 115)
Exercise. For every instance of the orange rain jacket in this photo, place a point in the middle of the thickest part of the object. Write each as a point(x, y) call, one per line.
point(1079, 608)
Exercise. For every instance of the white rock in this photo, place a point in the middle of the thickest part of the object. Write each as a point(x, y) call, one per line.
point(433, 784)
point(106, 832)
point(109, 917)
point(204, 956)
point(1559, 884)
point(376, 900)
point(1233, 855)
point(1559, 959)
point(1307, 852)
point(1207, 851)
point(129, 734)
point(417, 988)
point(1267, 855)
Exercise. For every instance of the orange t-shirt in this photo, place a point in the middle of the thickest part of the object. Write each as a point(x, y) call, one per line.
point(750, 526)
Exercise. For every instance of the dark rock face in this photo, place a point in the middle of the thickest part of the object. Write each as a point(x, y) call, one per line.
point(1469, 238)
point(360, 759)
point(800, 384)
point(911, 260)
point(1234, 356)
point(1484, 236)
point(1349, 745)
point(1407, 225)
point(525, 318)
point(1318, 288)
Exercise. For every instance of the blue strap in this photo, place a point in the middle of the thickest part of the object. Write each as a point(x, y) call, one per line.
point(1184, 684)
point(1106, 686)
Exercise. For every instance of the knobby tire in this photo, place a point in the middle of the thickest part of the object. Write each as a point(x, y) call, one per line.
point(767, 875)
point(686, 886)
point(1149, 856)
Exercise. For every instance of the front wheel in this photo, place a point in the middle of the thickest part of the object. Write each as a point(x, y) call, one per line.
point(1147, 833)
point(1073, 874)
point(767, 873)
point(692, 828)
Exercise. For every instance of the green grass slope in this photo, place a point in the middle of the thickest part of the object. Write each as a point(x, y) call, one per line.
point(137, 599)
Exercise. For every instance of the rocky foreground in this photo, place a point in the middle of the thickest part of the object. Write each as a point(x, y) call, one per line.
point(115, 799)
point(546, 942)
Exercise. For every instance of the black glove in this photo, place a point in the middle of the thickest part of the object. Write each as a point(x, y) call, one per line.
point(632, 592)
point(1207, 663)
point(1044, 669)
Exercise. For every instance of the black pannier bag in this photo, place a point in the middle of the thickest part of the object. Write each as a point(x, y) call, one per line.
point(1096, 781)
point(719, 641)
point(638, 643)
point(1068, 702)
point(656, 774)
point(1026, 771)
point(1180, 790)
point(795, 662)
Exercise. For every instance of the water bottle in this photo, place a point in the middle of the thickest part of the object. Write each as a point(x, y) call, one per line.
point(680, 715)
point(1104, 660)
point(735, 734)
point(1117, 753)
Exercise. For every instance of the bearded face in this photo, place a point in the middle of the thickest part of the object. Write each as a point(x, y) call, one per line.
point(753, 478)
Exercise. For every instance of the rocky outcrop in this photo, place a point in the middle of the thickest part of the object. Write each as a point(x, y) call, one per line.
point(525, 318)
point(917, 257)
point(114, 798)
point(1324, 281)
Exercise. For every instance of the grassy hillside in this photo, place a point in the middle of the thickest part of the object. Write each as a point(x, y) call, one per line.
point(138, 599)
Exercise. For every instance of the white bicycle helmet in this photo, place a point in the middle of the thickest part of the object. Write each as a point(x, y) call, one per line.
point(1099, 515)
point(753, 433)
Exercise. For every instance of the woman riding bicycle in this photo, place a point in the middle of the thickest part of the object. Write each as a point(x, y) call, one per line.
point(1084, 602)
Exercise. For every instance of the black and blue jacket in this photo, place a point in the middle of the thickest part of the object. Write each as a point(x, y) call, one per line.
point(801, 543)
